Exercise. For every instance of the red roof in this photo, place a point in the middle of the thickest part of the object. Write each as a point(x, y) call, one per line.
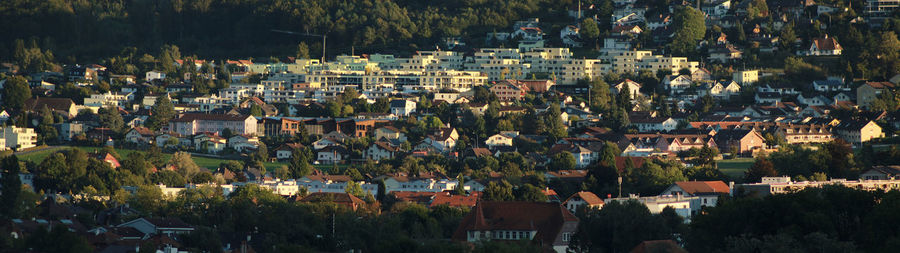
point(455, 200)
point(637, 161)
point(880, 85)
point(588, 197)
point(344, 199)
point(701, 187)
point(545, 218)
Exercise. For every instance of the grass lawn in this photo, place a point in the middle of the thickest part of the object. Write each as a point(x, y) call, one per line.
point(205, 162)
point(735, 168)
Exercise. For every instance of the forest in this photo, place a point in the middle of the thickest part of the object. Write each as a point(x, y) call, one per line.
point(81, 30)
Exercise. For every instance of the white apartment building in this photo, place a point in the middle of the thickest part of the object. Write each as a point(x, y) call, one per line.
point(118, 99)
point(18, 138)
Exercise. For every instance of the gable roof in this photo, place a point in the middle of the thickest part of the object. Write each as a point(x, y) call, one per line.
point(188, 117)
point(826, 43)
point(545, 218)
point(589, 197)
point(703, 187)
point(59, 104)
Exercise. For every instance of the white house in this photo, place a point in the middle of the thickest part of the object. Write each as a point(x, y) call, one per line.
point(422, 183)
point(140, 135)
point(823, 46)
point(381, 150)
point(655, 124)
point(159, 226)
point(502, 139)
point(209, 143)
point(242, 143)
point(402, 107)
point(154, 75)
point(676, 84)
point(706, 192)
point(583, 199)
point(633, 87)
point(18, 138)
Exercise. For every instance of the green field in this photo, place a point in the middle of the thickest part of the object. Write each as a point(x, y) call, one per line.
point(206, 162)
point(735, 168)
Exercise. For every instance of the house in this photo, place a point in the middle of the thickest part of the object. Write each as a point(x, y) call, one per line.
point(390, 133)
point(154, 75)
point(529, 34)
point(745, 77)
point(767, 97)
point(677, 84)
point(209, 143)
point(633, 87)
point(111, 160)
point(381, 150)
point(140, 135)
point(583, 155)
point(707, 192)
point(117, 99)
point(741, 141)
point(570, 36)
point(193, 123)
point(856, 132)
point(421, 182)
point(170, 227)
point(508, 92)
point(402, 107)
point(626, 30)
point(332, 154)
point(654, 124)
point(62, 106)
point(17, 138)
point(243, 143)
point(172, 140)
point(656, 204)
point(822, 46)
point(547, 224)
point(583, 199)
point(869, 91)
point(881, 172)
point(795, 133)
point(724, 53)
point(285, 151)
point(829, 85)
point(444, 139)
point(502, 139)
point(342, 199)
point(720, 90)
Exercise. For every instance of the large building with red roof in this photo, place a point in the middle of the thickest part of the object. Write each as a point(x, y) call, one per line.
point(547, 224)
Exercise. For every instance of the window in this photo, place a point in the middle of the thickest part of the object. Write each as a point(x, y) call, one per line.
point(566, 236)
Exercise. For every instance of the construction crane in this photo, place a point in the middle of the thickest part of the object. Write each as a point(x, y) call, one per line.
point(324, 37)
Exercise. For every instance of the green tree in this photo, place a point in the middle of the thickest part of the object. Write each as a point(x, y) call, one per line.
point(618, 227)
point(10, 186)
point(354, 189)
point(111, 118)
point(160, 113)
point(530, 193)
point(302, 51)
point(184, 165)
point(589, 30)
point(563, 161)
point(15, 92)
point(498, 191)
point(256, 110)
point(690, 28)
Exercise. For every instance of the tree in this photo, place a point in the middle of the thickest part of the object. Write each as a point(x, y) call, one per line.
point(563, 161)
point(161, 112)
point(256, 110)
point(498, 191)
point(761, 168)
point(787, 37)
point(302, 51)
point(690, 27)
point(299, 165)
point(10, 186)
point(147, 199)
point(600, 97)
point(589, 30)
point(757, 9)
point(531, 193)
point(15, 92)
point(618, 227)
point(184, 165)
point(111, 118)
point(354, 189)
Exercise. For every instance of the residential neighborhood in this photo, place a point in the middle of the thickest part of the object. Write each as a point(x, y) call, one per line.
point(457, 126)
